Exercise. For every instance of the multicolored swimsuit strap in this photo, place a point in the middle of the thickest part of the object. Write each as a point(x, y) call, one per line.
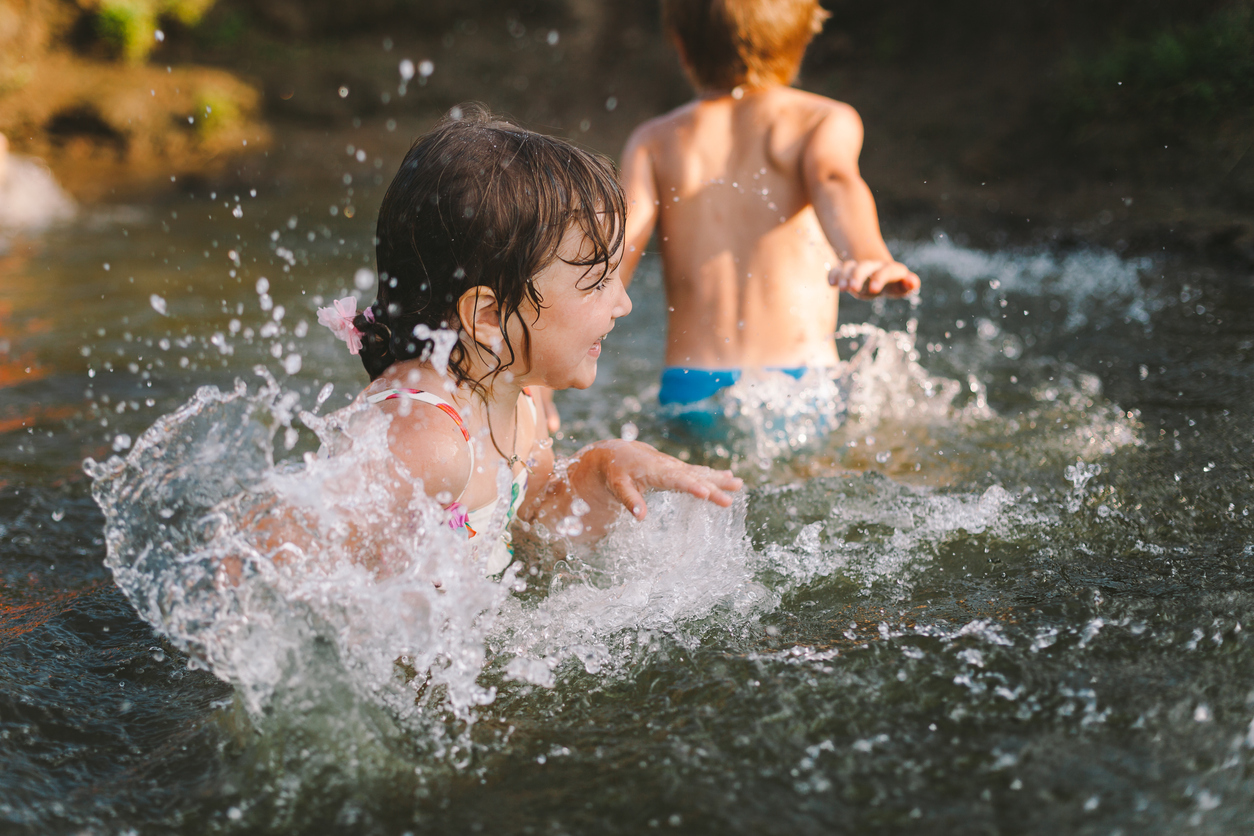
point(434, 400)
point(472, 522)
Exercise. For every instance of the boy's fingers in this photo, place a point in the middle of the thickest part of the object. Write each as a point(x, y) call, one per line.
point(875, 285)
point(839, 275)
point(893, 278)
point(858, 273)
point(904, 286)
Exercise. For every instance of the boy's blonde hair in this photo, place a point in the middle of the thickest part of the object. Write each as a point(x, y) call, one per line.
point(727, 43)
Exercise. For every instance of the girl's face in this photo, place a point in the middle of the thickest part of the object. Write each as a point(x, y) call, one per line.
point(579, 309)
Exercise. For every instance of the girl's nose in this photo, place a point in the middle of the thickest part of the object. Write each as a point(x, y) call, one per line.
point(623, 303)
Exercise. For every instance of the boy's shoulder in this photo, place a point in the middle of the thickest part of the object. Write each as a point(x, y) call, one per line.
point(805, 111)
point(779, 107)
point(661, 126)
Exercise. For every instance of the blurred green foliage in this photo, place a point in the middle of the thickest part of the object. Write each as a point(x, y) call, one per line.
point(129, 27)
point(1178, 74)
point(215, 111)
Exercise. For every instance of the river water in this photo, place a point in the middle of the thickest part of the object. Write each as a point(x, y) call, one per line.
point(1010, 594)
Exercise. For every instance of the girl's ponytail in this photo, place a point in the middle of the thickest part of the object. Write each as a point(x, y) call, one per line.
point(376, 341)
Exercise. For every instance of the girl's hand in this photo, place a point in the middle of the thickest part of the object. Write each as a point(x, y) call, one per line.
point(868, 279)
point(615, 472)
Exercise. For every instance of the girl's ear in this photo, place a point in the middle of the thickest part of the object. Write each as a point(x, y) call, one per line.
point(480, 315)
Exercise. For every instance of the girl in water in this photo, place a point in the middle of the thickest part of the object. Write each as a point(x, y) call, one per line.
point(498, 251)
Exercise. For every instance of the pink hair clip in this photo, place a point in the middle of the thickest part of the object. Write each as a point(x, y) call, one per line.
point(339, 318)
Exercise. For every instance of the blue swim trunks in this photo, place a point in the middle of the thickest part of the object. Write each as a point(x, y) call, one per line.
point(773, 412)
point(684, 386)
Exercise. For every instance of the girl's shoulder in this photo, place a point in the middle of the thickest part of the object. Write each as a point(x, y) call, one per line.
point(428, 436)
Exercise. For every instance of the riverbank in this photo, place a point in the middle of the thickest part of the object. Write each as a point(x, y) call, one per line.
point(972, 121)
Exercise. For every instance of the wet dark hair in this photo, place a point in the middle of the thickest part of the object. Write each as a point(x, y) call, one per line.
point(480, 202)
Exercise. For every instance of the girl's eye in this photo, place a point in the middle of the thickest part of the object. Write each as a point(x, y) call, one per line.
point(604, 283)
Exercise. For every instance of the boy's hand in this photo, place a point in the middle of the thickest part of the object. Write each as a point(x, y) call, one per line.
point(869, 279)
point(626, 469)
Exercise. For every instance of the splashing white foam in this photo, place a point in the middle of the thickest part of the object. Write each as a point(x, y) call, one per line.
point(673, 574)
point(1097, 284)
point(280, 578)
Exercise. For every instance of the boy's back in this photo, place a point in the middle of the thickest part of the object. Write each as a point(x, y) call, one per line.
point(754, 188)
point(745, 258)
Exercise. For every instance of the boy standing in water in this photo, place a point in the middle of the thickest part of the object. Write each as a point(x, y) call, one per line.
point(755, 191)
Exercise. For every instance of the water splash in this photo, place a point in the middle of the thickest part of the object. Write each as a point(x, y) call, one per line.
point(687, 568)
point(1098, 286)
point(282, 578)
point(768, 417)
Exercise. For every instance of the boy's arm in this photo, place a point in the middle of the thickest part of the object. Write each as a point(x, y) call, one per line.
point(846, 210)
point(640, 191)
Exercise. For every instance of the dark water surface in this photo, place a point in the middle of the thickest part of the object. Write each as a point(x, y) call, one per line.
point(1011, 595)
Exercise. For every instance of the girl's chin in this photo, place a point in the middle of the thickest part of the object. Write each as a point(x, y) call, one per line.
point(584, 377)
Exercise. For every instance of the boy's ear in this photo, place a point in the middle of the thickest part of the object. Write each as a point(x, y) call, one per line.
point(480, 315)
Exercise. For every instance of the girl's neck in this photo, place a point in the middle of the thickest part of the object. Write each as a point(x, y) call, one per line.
point(497, 400)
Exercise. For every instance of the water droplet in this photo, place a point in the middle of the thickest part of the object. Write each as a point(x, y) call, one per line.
point(363, 278)
point(629, 432)
point(570, 526)
point(158, 304)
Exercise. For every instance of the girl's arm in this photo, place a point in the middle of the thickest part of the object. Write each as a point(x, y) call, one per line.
point(610, 475)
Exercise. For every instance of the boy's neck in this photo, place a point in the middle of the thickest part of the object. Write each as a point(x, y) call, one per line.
point(737, 92)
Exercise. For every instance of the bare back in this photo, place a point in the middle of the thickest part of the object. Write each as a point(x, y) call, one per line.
point(745, 257)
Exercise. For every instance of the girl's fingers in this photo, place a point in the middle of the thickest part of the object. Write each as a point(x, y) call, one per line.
point(624, 489)
point(635, 467)
point(703, 483)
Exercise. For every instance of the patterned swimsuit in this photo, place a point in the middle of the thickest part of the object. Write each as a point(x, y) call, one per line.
point(473, 523)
